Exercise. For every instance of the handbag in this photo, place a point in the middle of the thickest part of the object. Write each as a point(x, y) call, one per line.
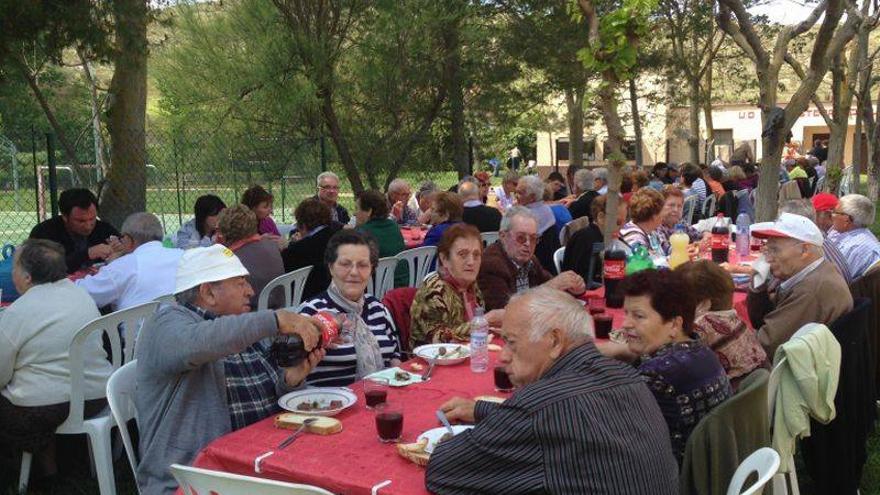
point(6, 285)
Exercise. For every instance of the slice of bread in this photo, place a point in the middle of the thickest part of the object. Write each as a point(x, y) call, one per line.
point(414, 452)
point(322, 426)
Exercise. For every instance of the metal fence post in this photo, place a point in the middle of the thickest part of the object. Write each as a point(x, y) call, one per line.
point(53, 180)
point(39, 208)
point(177, 180)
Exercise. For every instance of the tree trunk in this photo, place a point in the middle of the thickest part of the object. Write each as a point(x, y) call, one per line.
point(127, 180)
point(97, 137)
point(694, 121)
point(637, 122)
point(574, 103)
point(706, 99)
point(339, 141)
point(616, 134)
point(452, 70)
point(836, 143)
point(874, 157)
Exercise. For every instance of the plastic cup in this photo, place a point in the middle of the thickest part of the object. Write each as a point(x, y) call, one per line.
point(375, 391)
point(389, 421)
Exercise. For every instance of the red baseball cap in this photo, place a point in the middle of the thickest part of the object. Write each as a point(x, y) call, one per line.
point(824, 202)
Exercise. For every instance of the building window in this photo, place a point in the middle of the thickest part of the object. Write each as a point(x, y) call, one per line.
point(628, 149)
point(563, 149)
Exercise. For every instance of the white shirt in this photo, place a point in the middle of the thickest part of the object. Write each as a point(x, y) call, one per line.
point(603, 190)
point(35, 335)
point(504, 201)
point(141, 276)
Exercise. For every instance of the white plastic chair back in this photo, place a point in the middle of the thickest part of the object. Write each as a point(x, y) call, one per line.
point(489, 238)
point(690, 206)
point(293, 284)
point(120, 396)
point(558, 255)
point(709, 206)
point(194, 481)
point(383, 278)
point(764, 462)
point(419, 261)
point(131, 318)
point(285, 228)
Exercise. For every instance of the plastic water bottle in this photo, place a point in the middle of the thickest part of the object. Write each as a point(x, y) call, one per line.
point(479, 342)
point(742, 235)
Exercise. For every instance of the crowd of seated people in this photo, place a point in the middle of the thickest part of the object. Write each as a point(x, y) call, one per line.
point(687, 348)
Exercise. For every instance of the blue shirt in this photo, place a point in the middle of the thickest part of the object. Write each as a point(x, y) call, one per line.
point(562, 216)
point(859, 248)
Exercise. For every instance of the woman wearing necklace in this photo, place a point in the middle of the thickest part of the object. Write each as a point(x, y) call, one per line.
point(446, 302)
point(372, 338)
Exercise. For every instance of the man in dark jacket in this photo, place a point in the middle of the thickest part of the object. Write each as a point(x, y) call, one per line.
point(509, 266)
point(86, 239)
point(328, 193)
point(314, 230)
point(578, 423)
point(484, 218)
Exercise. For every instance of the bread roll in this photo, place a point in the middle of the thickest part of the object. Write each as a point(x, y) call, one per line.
point(322, 426)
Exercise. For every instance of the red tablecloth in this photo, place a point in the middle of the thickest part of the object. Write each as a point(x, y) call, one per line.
point(352, 461)
point(413, 236)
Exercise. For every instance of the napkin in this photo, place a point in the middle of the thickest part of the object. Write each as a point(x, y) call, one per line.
point(388, 374)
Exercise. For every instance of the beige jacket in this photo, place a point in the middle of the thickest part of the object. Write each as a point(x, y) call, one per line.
point(821, 297)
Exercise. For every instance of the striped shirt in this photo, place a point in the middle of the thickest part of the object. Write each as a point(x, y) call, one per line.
point(860, 250)
point(588, 425)
point(834, 255)
point(339, 366)
point(698, 189)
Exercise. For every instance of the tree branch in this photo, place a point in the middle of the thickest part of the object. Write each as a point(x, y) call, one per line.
point(799, 70)
point(743, 32)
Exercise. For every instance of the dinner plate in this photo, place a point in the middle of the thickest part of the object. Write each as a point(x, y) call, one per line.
point(322, 396)
point(430, 352)
point(435, 434)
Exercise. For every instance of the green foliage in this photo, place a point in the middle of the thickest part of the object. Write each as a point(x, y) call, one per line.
point(622, 23)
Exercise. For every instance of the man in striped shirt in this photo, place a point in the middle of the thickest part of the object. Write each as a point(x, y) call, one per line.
point(849, 233)
point(578, 423)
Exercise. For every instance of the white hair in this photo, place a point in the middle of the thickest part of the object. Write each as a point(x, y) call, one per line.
point(802, 207)
point(398, 185)
point(583, 180)
point(550, 309)
point(534, 186)
point(513, 212)
point(143, 227)
point(859, 208)
point(601, 173)
point(325, 175)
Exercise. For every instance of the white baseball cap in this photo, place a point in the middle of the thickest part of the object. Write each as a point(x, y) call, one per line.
point(208, 264)
point(790, 226)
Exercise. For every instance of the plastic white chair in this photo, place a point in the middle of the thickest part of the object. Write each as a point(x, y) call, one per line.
point(383, 277)
point(709, 206)
point(419, 261)
point(120, 396)
point(764, 462)
point(285, 228)
point(100, 427)
point(199, 481)
point(558, 255)
point(489, 238)
point(293, 284)
point(690, 206)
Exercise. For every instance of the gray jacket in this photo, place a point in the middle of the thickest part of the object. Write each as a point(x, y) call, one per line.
point(181, 386)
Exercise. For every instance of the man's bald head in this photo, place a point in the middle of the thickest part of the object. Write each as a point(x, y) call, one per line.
point(468, 191)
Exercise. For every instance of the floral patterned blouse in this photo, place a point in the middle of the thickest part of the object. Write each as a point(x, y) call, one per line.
point(736, 346)
point(438, 313)
point(688, 381)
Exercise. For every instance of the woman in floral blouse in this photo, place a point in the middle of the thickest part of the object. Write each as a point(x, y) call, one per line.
point(718, 324)
point(445, 303)
point(685, 375)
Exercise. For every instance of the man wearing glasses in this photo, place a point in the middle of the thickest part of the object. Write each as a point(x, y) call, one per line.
point(509, 266)
point(802, 286)
point(328, 193)
point(850, 220)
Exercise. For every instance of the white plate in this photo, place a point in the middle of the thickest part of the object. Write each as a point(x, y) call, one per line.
point(434, 434)
point(322, 396)
point(429, 353)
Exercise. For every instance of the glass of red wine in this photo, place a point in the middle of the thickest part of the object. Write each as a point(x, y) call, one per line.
point(502, 380)
point(603, 324)
point(375, 391)
point(389, 421)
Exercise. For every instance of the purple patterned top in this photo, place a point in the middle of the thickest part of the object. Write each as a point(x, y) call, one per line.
point(267, 226)
point(688, 381)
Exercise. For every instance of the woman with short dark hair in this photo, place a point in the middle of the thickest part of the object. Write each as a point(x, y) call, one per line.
point(35, 348)
point(372, 342)
point(199, 232)
point(447, 211)
point(260, 201)
point(372, 216)
point(314, 227)
point(685, 376)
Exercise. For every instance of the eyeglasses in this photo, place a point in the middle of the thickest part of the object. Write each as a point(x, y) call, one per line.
point(836, 212)
point(525, 238)
point(777, 250)
point(329, 188)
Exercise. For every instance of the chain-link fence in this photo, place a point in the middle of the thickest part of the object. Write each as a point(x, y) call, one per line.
point(179, 167)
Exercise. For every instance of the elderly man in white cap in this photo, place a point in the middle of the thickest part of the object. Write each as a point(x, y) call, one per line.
point(181, 382)
point(804, 286)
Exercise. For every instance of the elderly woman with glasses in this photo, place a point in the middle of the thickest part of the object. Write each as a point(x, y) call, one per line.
point(34, 352)
point(849, 233)
point(372, 342)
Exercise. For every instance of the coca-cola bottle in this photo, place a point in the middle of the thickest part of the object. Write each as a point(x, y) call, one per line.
point(614, 269)
point(288, 350)
point(720, 240)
